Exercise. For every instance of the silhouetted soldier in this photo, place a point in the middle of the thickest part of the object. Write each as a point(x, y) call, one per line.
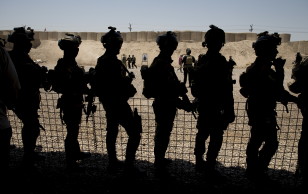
point(300, 86)
point(71, 83)
point(263, 87)
point(188, 65)
point(114, 89)
point(9, 88)
point(212, 87)
point(166, 89)
point(28, 102)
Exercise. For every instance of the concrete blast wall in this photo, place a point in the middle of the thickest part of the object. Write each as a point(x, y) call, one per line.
point(149, 36)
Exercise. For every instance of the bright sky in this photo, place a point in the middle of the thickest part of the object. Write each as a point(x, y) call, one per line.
point(282, 16)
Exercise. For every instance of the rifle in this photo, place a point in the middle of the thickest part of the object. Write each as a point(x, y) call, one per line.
point(91, 108)
point(190, 107)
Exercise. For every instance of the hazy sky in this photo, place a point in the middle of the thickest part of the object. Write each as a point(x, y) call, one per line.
point(282, 16)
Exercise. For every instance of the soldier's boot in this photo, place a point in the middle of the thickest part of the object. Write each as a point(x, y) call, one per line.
point(200, 163)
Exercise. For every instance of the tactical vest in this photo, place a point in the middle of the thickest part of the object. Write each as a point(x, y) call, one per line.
point(189, 60)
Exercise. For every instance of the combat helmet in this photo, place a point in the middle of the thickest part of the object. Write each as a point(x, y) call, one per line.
point(265, 40)
point(21, 34)
point(112, 36)
point(167, 40)
point(69, 41)
point(214, 33)
point(188, 51)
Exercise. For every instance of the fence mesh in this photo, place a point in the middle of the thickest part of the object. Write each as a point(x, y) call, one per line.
point(93, 132)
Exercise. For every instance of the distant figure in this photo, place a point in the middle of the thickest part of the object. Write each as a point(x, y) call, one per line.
point(298, 58)
point(29, 98)
point(188, 61)
point(124, 60)
point(212, 88)
point(114, 91)
point(134, 62)
point(162, 84)
point(181, 63)
point(300, 86)
point(129, 62)
point(72, 85)
point(9, 88)
point(263, 87)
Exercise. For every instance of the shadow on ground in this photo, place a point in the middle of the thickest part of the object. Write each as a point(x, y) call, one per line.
point(51, 177)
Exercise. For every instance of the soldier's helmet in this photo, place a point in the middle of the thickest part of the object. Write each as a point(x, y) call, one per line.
point(188, 51)
point(69, 41)
point(112, 36)
point(266, 40)
point(21, 34)
point(167, 40)
point(214, 34)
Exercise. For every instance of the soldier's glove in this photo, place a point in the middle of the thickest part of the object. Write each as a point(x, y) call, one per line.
point(279, 63)
point(131, 90)
point(181, 104)
point(182, 89)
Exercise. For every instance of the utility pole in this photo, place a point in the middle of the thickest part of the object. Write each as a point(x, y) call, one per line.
point(251, 29)
point(130, 27)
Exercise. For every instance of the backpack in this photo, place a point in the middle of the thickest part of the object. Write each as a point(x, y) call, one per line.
point(148, 83)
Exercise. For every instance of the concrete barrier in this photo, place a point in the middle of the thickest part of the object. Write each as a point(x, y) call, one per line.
point(148, 36)
point(151, 36)
point(285, 37)
point(142, 36)
point(239, 37)
point(184, 36)
point(230, 37)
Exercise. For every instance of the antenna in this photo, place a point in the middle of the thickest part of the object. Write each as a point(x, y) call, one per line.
point(251, 29)
point(130, 27)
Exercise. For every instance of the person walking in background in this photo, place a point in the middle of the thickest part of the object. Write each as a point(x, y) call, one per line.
point(9, 88)
point(133, 62)
point(263, 87)
point(188, 61)
point(181, 63)
point(129, 62)
point(28, 102)
point(300, 86)
point(124, 60)
point(114, 90)
point(71, 83)
point(212, 87)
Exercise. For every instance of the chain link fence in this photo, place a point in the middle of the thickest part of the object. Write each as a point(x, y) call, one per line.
point(232, 156)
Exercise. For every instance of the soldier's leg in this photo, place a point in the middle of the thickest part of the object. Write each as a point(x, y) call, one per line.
point(133, 131)
point(111, 137)
point(252, 150)
point(5, 139)
point(302, 150)
point(216, 138)
point(201, 137)
point(30, 133)
point(72, 118)
point(164, 117)
point(269, 148)
point(185, 74)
